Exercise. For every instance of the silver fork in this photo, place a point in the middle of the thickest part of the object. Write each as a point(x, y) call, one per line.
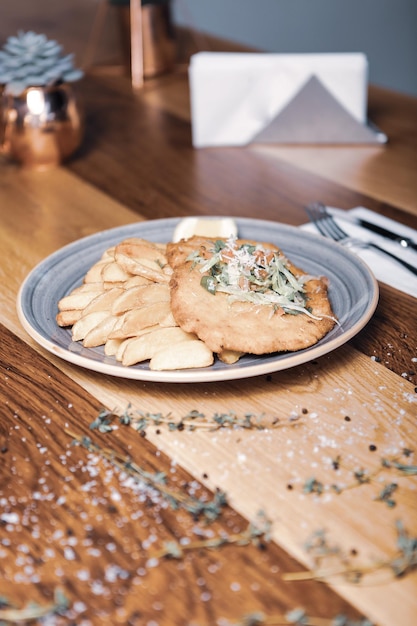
point(327, 226)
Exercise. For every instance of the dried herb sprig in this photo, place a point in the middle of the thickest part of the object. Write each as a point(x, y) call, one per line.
point(363, 477)
point(401, 564)
point(198, 507)
point(298, 617)
point(256, 533)
point(193, 420)
point(13, 615)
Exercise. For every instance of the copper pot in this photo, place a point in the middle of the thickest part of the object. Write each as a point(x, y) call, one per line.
point(42, 127)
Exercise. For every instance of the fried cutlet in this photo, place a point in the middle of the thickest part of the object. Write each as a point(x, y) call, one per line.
point(246, 297)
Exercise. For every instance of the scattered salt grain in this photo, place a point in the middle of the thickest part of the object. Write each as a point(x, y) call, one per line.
point(94, 552)
point(114, 573)
point(184, 541)
point(213, 568)
point(205, 596)
point(69, 554)
point(115, 496)
point(10, 518)
point(97, 588)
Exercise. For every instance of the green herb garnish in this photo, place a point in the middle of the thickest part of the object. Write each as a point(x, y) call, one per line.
point(209, 509)
point(252, 273)
point(402, 563)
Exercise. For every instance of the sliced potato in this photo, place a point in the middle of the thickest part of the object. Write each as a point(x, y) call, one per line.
point(104, 301)
point(124, 305)
point(135, 297)
point(230, 356)
point(168, 271)
point(143, 348)
point(78, 300)
point(113, 272)
point(141, 249)
point(68, 318)
point(133, 321)
point(97, 287)
point(136, 281)
point(94, 273)
point(87, 323)
point(142, 267)
point(111, 346)
point(97, 336)
point(109, 253)
point(111, 285)
point(124, 342)
point(185, 355)
point(168, 321)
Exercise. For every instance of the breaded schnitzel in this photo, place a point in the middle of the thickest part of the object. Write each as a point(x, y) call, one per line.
point(246, 296)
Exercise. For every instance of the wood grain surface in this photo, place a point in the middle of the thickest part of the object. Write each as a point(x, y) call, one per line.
point(76, 524)
point(272, 466)
point(336, 456)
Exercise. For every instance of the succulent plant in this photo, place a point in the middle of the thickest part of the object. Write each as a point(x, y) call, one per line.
point(32, 60)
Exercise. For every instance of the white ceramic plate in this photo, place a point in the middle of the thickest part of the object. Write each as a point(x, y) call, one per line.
point(353, 292)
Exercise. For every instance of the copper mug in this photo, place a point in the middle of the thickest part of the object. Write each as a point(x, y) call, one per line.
point(40, 128)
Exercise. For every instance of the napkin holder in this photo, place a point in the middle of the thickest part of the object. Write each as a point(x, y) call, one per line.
point(245, 98)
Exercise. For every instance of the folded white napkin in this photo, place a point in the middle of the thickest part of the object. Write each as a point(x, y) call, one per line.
point(384, 268)
point(238, 98)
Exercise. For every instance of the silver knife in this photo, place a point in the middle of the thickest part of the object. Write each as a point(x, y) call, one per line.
point(404, 242)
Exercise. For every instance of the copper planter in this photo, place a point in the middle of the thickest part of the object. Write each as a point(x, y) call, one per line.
point(42, 127)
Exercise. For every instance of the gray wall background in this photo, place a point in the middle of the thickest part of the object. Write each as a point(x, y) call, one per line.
point(385, 30)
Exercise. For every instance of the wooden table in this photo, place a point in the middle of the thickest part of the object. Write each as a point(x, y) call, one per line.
point(70, 520)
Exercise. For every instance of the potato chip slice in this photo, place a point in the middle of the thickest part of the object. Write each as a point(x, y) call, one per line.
point(137, 296)
point(111, 346)
point(68, 318)
point(141, 249)
point(104, 301)
point(185, 355)
point(97, 336)
point(93, 275)
point(97, 287)
point(133, 321)
point(137, 281)
point(125, 342)
point(168, 321)
point(230, 356)
point(87, 323)
point(113, 272)
point(142, 267)
point(78, 300)
point(143, 348)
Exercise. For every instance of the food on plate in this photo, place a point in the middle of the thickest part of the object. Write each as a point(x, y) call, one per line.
point(124, 305)
point(178, 305)
point(245, 296)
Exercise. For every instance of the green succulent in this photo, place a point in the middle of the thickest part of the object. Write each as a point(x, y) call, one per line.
point(32, 60)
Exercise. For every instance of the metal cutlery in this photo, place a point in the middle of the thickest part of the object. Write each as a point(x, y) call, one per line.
point(327, 226)
point(404, 242)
